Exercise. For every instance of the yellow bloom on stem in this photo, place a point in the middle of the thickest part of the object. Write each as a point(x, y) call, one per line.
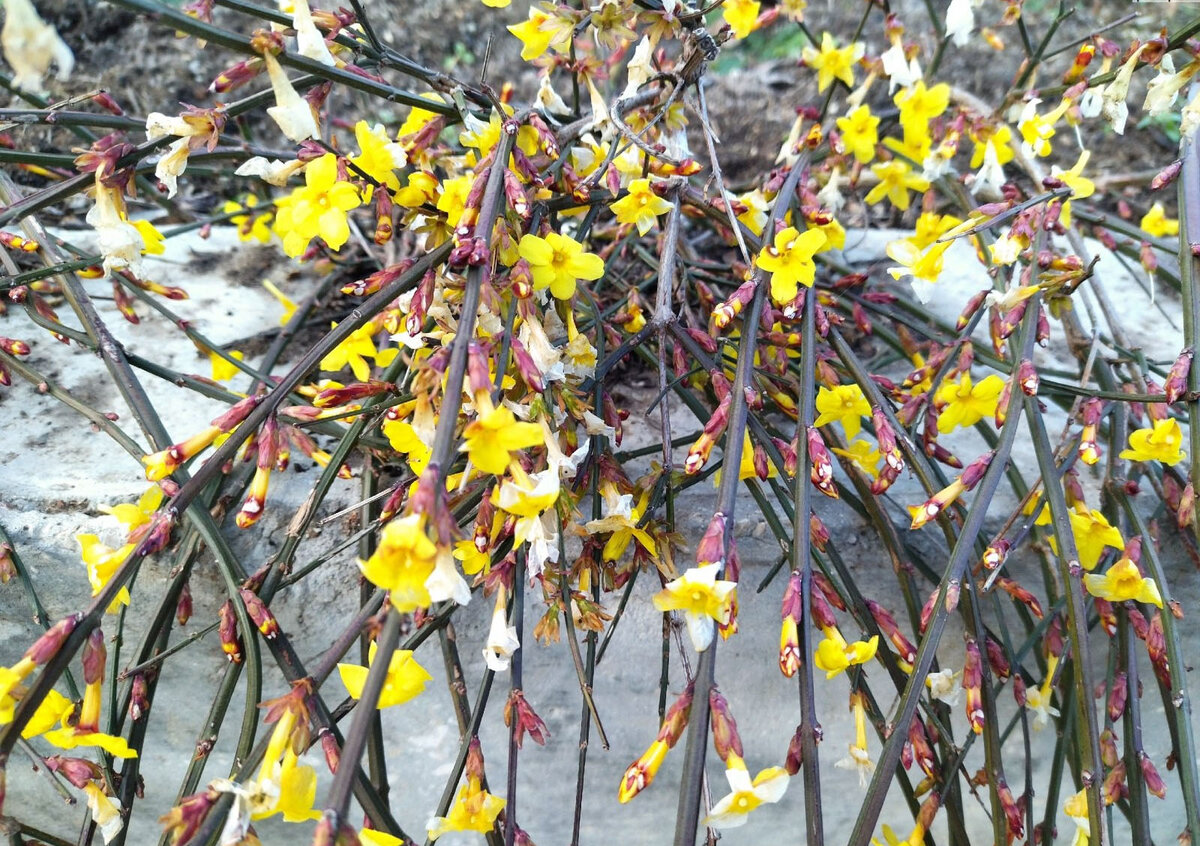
point(318, 209)
point(1037, 130)
point(641, 206)
point(860, 133)
point(896, 179)
point(354, 351)
point(931, 226)
point(703, 598)
point(404, 439)
point(922, 266)
point(492, 436)
point(1162, 442)
point(789, 261)
point(918, 105)
point(863, 456)
point(85, 732)
point(152, 239)
point(844, 403)
point(102, 562)
point(474, 809)
point(1156, 223)
point(832, 62)
point(406, 679)
point(1122, 582)
point(1081, 187)
point(745, 795)
point(132, 515)
point(966, 404)
point(557, 261)
point(1001, 139)
point(538, 34)
point(250, 226)
point(403, 563)
point(834, 655)
point(859, 759)
point(621, 518)
point(1092, 533)
point(1076, 808)
point(379, 157)
point(222, 370)
point(742, 16)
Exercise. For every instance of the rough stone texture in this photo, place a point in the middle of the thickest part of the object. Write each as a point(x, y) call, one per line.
point(54, 473)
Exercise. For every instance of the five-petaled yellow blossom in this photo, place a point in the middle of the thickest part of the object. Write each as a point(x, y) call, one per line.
point(922, 266)
point(845, 403)
point(1156, 223)
point(1162, 442)
point(403, 563)
point(1076, 809)
point(834, 655)
point(860, 133)
point(1037, 130)
point(494, 434)
point(742, 16)
point(896, 179)
point(1122, 582)
point(703, 598)
point(919, 105)
point(790, 263)
point(379, 156)
point(1081, 187)
point(474, 809)
point(318, 209)
point(966, 403)
point(862, 455)
point(641, 206)
point(542, 31)
point(354, 352)
point(1092, 533)
point(621, 518)
point(745, 795)
point(406, 679)
point(132, 515)
point(102, 562)
point(250, 226)
point(832, 62)
point(557, 261)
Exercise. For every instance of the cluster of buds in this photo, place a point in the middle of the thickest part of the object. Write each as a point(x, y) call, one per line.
point(642, 771)
point(269, 453)
point(889, 450)
point(967, 480)
point(165, 462)
point(821, 473)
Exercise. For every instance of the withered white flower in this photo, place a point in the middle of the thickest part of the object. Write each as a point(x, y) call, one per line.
point(118, 240)
point(549, 100)
point(31, 45)
point(900, 70)
point(990, 178)
point(272, 171)
point(1112, 102)
point(502, 639)
point(309, 40)
point(960, 20)
point(291, 112)
point(640, 68)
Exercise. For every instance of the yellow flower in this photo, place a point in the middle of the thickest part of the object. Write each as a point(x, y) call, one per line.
point(919, 105)
point(289, 305)
point(132, 515)
point(474, 809)
point(834, 655)
point(863, 456)
point(406, 679)
point(767, 787)
point(641, 206)
point(1163, 442)
point(403, 563)
point(896, 179)
point(318, 209)
point(102, 562)
point(369, 836)
point(540, 33)
point(1081, 187)
point(1157, 224)
point(1001, 139)
point(497, 4)
point(742, 16)
point(845, 403)
point(789, 261)
point(1037, 130)
point(404, 439)
point(967, 404)
point(1076, 809)
point(494, 434)
point(621, 518)
point(930, 226)
point(831, 62)
point(557, 261)
point(222, 370)
point(355, 350)
point(1092, 534)
point(84, 732)
point(250, 226)
point(379, 156)
point(859, 133)
point(152, 239)
point(703, 598)
point(1123, 581)
point(923, 266)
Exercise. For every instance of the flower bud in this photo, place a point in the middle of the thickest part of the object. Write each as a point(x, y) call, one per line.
point(822, 466)
point(1154, 782)
point(712, 547)
point(94, 655)
point(1177, 379)
point(231, 643)
point(1118, 696)
point(972, 683)
point(526, 718)
point(1114, 787)
point(48, 644)
point(726, 739)
point(139, 697)
point(795, 753)
point(75, 770)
